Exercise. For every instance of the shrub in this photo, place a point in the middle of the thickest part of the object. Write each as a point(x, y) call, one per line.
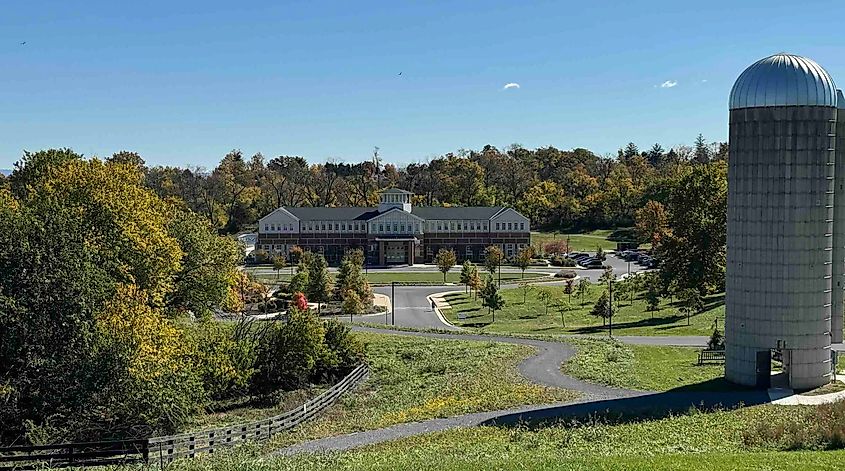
point(345, 352)
point(559, 261)
point(717, 341)
point(224, 363)
point(566, 274)
point(288, 353)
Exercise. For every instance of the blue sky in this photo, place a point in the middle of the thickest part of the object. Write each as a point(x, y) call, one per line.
point(184, 82)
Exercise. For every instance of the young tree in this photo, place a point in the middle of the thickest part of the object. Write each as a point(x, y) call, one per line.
point(279, 263)
point(445, 260)
point(691, 302)
point(568, 288)
point(582, 289)
point(352, 304)
point(622, 288)
point(545, 297)
point(299, 282)
point(319, 280)
point(653, 293)
point(562, 308)
point(491, 298)
point(525, 288)
point(466, 274)
point(600, 255)
point(601, 307)
point(523, 259)
point(475, 282)
point(493, 257)
point(607, 276)
point(350, 277)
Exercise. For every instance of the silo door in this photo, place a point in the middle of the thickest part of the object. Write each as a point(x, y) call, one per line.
point(764, 369)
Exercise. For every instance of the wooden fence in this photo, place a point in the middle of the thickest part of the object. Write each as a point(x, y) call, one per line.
point(163, 450)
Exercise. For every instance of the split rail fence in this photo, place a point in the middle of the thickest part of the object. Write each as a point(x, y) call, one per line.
point(163, 450)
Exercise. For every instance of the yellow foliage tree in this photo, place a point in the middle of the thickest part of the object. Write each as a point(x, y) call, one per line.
point(153, 375)
point(127, 222)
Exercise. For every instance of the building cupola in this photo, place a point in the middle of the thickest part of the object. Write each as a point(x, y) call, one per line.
point(395, 198)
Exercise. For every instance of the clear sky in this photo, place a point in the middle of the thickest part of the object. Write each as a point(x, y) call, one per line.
point(184, 82)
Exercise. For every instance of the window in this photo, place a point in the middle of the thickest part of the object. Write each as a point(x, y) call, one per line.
point(395, 227)
point(497, 226)
point(381, 227)
point(439, 226)
point(469, 251)
point(485, 226)
point(417, 226)
point(459, 226)
point(266, 227)
point(522, 226)
point(402, 228)
point(336, 227)
point(510, 227)
point(322, 227)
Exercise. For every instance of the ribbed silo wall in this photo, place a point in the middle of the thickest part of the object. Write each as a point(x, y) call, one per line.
point(779, 240)
point(839, 227)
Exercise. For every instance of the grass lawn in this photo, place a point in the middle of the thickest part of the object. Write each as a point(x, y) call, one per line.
point(585, 242)
point(416, 379)
point(695, 441)
point(644, 367)
point(530, 317)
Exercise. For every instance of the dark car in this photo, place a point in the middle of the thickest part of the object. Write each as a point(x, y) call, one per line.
point(594, 264)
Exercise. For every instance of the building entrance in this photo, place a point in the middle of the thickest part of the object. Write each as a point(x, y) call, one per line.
point(395, 253)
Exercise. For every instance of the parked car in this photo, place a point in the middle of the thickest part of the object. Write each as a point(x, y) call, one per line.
point(594, 264)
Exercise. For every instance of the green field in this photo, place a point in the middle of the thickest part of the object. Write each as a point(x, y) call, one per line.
point(584, 242)
point(403, 277)
point(716, 441)
point(643, 367)
point(416, 379)
point(530, 317)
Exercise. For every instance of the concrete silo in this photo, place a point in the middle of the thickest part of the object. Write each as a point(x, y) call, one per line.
point(781, 280)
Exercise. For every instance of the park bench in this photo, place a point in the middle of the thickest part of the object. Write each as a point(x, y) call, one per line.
point(711, 356)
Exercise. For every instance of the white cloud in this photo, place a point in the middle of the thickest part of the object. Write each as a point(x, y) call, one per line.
point(704, 81)
point(510, 85)
point(668, 84)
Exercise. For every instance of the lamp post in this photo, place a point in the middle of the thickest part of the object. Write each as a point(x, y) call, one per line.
point(392, 307)
point(610, 307)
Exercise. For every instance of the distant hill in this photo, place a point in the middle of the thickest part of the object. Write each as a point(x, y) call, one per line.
point(5, 171)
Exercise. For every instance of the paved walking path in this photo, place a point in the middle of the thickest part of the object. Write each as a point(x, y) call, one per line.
point(541, 368)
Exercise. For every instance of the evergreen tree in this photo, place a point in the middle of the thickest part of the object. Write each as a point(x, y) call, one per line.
point(702, 150)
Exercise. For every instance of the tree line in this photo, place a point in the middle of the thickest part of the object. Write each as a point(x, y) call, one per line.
point(556, 189)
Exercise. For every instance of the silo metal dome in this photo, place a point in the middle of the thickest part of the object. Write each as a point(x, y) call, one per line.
point(783, 80)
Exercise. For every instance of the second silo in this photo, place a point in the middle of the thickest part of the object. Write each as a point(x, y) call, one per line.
point(780, 222)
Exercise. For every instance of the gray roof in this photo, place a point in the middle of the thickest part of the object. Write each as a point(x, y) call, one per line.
point(396, 190)
point(333, 214)
point(363, 214)
point(783, 80)
point(467, 212)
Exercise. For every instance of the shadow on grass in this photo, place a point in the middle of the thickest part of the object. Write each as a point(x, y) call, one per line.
point(657, 321)
point(639, 408)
